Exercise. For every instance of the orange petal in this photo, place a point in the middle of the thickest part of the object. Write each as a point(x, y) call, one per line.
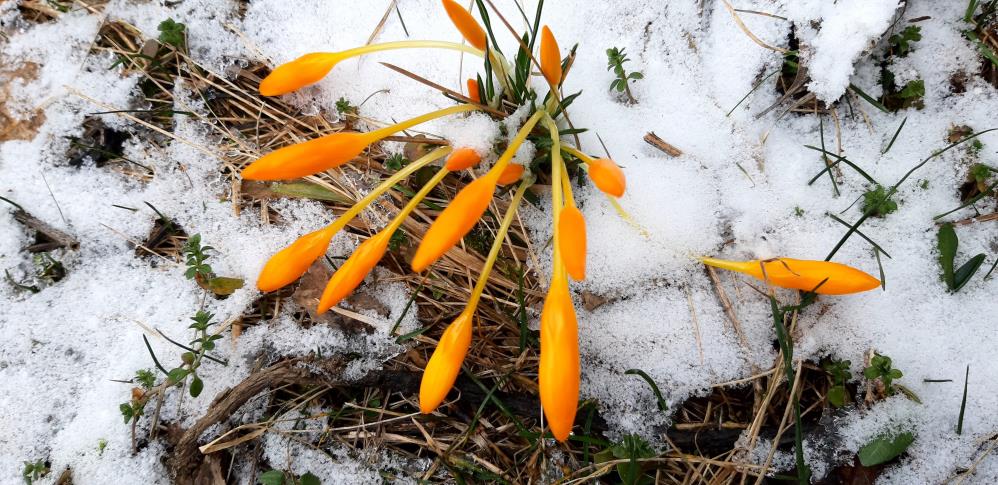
point(510, 174)
point(803, 275)
point(607, 176)
point(572, 242)
point(305, 70)
point(466, 24)
point(473, 91)
point(455, 221)
point(291, 262)
point(558, 371)
point(550, 57)
point(445, 363)
point(462, 158)
point(354, 270)
point(308, 158)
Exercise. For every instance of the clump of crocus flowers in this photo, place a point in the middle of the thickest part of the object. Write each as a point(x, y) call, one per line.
point(559, 361)
point(559, 371)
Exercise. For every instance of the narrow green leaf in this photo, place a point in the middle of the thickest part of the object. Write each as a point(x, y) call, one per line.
point(662, 404)
point(964, 273)
point(963, 402)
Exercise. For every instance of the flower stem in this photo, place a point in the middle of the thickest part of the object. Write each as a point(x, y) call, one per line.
point(514, 145)
point(397, 127)
point(507, 220)
point(557, 167)
point(416, 200)
point(419, 163)
point(407, 44)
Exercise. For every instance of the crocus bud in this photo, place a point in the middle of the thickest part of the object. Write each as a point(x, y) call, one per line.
point(473, 91)
point(305, 70)
point(607, 176)
point(466, 24)
point(799, 274)
point(572, 242)
point(310, 157)
point(291, 262)
point(352, 272)
point(550, 57)
point(558, 371)
point(511, 174)
point(462, 158)
point(445, 363)
point(455, 221)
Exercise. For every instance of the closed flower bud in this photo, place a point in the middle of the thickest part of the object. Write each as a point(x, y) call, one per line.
point(550, 57)
point(291, 262)
point(462, 158)
point(466, 24)
point(354, 270)
point(805, 275)
point(607, 176)
point(558, 371)
point(308, 158)
point(512, 173)
point(445, 363)
point(455, 221)
point(473, 91)
point(572, 242)
point(305, 70)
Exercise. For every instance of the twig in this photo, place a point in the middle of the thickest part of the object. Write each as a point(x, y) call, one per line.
point(652, 139)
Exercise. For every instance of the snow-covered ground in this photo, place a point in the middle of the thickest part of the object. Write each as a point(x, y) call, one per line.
point(739, 188)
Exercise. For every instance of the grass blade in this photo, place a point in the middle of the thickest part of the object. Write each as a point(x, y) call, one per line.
point(963, 403)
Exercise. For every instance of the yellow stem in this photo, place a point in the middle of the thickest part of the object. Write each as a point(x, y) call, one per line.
point(388, 130)
point(566, 185)
point(737, 266)
point(408, 44)
point(416, 199)
point(557, 164)
point(577, 154)
point(514, 145)
point(507, 220)
point(419, 163)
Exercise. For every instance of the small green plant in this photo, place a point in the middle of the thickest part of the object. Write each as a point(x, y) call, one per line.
point(913, 91)
point(901, 43)
point(615, 59)
point(838, 371)
point(948, 243)
point(395, 162)
point(343, 107)
point(34, 471)
point(876, 202)
point(278, 477)
point(101, 446)
point(196, 256)
point(398, 239)
point(631, 448)
point(172, 33)
point(882, 368)
point(798, 211)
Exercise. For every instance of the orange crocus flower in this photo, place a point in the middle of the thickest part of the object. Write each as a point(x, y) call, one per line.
point(352, 272)
point(455, 221)
point(311, 68)
point(473, 91)
point(466, 24)
point(463, 158)
point(572, 242)
point(607, 176)
point(805, 275)
point(550, 57)
point(558, 371)
point(291, 262)
point(445, 363)
point(330, 151)
point(512, 173)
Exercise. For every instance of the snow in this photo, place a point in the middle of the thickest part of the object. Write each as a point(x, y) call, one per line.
point(739, 190)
